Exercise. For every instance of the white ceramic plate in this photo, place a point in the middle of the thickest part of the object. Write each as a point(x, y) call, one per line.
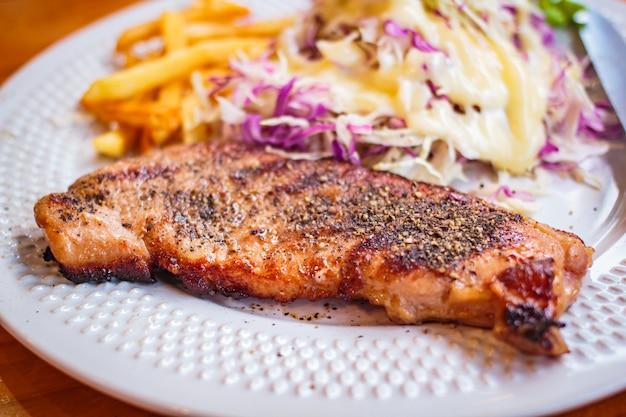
point(164, 350)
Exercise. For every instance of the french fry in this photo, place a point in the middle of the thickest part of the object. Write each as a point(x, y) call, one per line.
point(114, 143)
point(208, 30)
point(146, 76)
point(145, 141)
point(216, 11)
point(172, 24)
point(136, 34)
point(211, 72)
point(138, 113)
point(161, 94)
point(170, 94)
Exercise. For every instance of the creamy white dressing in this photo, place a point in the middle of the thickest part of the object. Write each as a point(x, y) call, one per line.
point(502, 92)
point(467, 69)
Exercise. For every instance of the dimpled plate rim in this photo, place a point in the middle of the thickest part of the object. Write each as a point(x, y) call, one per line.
point(162, 350)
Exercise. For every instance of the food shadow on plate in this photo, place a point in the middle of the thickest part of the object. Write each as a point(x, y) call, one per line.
point(355, 321)
point(360, 320)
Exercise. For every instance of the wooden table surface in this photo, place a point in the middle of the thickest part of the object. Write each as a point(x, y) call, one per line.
point(28, 385)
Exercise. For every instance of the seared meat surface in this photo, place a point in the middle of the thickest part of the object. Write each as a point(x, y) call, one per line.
point(238, 220)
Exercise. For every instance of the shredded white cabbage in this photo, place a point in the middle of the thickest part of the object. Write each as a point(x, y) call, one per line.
point(418, 88)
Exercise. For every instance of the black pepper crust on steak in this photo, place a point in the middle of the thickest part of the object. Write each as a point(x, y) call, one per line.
point(239, 220)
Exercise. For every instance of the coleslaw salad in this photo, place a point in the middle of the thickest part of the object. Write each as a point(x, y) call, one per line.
point(421, 89)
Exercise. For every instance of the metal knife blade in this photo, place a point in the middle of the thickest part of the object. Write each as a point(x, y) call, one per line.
point(607, 50)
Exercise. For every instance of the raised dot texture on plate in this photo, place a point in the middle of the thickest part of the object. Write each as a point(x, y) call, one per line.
point(223, 345)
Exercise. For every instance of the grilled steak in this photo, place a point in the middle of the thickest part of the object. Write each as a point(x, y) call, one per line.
point(238, 220)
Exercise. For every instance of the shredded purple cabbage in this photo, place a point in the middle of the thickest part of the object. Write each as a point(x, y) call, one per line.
point(283, 97)
point(340, 152)
point(410, 152)
point(391, 28)
point(611, 130)
point(548, 148)
point(510, 8)
point(353, 156)
point(397, 123)
point(360, 129)
point(282, 136)
point(442, 16)
point(458, 197)
point(289, 101)
point(506, 190)
point(555, 166)
point(221, 83)
point(539, 23)
point(390, 122)
point(517, 41)
point(594, 126)
point(435, 90)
